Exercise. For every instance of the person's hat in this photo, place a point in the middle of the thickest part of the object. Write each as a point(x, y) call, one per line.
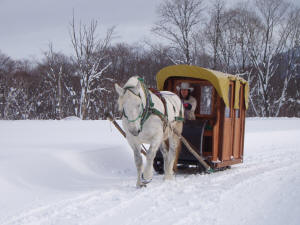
point(184, 85)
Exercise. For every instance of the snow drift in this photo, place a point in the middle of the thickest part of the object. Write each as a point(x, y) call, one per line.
point(82, 172)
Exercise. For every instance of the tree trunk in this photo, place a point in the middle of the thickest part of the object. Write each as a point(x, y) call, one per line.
point(59, 96)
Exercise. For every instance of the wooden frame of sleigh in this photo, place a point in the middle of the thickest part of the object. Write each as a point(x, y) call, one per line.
point(216, 137)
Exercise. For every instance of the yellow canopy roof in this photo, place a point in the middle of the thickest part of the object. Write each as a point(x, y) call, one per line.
point(218, 79)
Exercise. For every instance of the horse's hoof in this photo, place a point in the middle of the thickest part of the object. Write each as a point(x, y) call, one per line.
point(144, 181)
point(142, 185)
point(168, 177)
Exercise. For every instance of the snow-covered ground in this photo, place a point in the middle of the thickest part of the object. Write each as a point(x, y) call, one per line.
point(82, 172)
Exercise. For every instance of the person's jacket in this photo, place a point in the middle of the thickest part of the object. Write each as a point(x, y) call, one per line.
point(189, 110)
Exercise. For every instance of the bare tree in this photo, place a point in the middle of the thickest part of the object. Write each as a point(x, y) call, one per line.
point(58, 84)
point(239, 27)
point(7, 66)
point(56, 72)
point(20, 95)
point(90, 58)
point(226, 37)
point(178, 23)
point(214, 29)
point(291, 59)
point(264, 44)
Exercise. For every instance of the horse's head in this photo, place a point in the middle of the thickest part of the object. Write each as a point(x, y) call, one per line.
point(130, 103)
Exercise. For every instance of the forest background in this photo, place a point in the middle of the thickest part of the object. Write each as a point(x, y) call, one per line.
point(258, 40)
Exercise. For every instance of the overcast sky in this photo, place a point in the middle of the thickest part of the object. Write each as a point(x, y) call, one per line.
point(28, 26)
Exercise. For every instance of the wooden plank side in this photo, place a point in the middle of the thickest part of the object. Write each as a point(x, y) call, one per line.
point(237, 127)
point(228, 128)
point(216, 129)
point(227, 140)
point(237, 138)
point(243, 118)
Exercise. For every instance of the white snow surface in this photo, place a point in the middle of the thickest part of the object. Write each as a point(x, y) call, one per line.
point(73, 172)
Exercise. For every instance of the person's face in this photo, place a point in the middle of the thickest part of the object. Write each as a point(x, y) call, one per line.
point(184, 92)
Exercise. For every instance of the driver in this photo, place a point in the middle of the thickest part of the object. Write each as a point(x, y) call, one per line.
point(188, 101)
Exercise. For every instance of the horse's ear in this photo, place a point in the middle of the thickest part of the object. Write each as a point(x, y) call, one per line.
point(119, 90)
point(120, 103)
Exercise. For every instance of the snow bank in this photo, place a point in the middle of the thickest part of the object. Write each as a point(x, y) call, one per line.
point(82, 172)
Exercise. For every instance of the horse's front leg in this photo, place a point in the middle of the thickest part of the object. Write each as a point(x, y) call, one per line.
point(139, 167)
point(151, 153)
point(138, 163)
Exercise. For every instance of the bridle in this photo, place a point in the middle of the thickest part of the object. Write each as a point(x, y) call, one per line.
point(138, 117)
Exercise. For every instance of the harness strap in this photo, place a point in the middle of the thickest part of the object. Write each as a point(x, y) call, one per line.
point(164, 117)
point(149, 107)
point(166, 111)
point(149, 104)
point(180, 117)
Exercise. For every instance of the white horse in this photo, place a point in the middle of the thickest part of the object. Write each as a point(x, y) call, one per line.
point(147, 119)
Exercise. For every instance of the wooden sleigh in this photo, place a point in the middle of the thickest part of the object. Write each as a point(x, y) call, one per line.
point(217, 134)
point(215, 140)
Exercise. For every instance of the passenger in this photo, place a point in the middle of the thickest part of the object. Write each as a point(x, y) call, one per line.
point(188, 101)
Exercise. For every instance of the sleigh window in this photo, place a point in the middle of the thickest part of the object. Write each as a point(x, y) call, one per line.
point(237, 111)
point(206, 100)
point(228, 109)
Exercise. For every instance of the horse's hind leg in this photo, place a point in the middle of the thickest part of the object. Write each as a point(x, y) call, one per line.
point(178, 149)
point(164, 148)
point(174, 144)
